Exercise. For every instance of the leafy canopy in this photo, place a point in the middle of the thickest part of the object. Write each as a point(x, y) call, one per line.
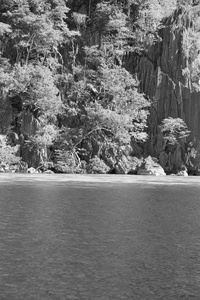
point(174, 129)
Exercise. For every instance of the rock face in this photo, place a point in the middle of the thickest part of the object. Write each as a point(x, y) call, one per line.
point(127, 165)
point(149, 167)
point(5, 114)
point(23, 131)
point(29, 127)
point(164, 76)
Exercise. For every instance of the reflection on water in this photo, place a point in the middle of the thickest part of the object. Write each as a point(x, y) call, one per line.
point(99, 237)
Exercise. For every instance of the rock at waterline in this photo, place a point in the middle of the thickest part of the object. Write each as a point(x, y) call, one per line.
point(48, 172)
point(182, 173)
point(31, 170)
point(150, 167)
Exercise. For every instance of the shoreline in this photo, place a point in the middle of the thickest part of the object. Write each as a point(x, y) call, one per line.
point(97, 178)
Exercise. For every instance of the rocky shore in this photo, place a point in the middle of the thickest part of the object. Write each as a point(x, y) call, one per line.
point(147, 166)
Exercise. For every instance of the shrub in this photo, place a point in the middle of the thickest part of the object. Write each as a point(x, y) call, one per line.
point(7, 153)
point(97, 166)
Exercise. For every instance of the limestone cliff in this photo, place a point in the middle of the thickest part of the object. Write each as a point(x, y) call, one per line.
point(20, 126)
point(164, 71)
point(165, 77)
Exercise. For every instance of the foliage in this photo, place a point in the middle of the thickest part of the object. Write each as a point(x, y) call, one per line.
point(104, 107)
point(67, 69)
point(38, 27)
point(7, 153)
point(29, 69)
point(130, 25)
point(97, 166)
point(45, 136)
point(191, 45)
point(35, 85)
point(174, 129)
point(190, 155)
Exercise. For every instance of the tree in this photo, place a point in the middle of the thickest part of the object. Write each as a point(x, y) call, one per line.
point(38, 27)
point(79, 93)
point(174, 130)
point(103, 108)
point(32, 33)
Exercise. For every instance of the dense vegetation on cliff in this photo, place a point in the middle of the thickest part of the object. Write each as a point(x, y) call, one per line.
point(62, 62)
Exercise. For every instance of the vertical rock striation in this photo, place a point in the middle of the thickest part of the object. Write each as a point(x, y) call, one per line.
point(29, 127)
point(164, 76)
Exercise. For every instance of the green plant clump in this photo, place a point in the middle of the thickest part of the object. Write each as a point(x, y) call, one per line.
point(174, 130)
point(97, 166)
point(65, 67)
point(7, 153)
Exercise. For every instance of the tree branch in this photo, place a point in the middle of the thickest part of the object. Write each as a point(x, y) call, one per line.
point(91, 131)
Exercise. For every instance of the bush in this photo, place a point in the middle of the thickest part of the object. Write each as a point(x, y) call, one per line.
point(97, 166)
point(7, 153)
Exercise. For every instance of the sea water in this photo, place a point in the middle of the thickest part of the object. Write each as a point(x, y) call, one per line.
point(99, 237)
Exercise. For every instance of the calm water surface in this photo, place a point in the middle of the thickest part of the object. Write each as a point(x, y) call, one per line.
point(99, 237)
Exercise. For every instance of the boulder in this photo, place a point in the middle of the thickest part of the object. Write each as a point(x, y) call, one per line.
point(182, 173)
point(150, 167)
point(48, 172)
point(37, 171)
point(31, 170)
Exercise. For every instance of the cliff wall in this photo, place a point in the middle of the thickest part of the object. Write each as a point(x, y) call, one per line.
point(164, 72)
point(164, 76)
